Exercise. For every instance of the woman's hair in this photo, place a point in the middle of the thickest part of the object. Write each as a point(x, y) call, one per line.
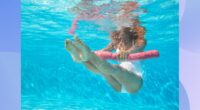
point(130, 32)
point(132, 35)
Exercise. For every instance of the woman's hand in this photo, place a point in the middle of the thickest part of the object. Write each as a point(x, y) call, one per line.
point(123, 55)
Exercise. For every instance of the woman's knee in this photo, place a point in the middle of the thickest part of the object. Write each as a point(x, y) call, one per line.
point(135, 87)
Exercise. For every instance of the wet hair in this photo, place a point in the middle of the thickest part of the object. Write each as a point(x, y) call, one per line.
point(124, 30)
point(114, 35)
point(130, 32)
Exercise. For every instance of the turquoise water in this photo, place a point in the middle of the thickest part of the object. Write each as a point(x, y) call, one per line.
point(51, 80)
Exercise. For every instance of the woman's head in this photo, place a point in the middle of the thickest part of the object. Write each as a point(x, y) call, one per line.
point(126, 33)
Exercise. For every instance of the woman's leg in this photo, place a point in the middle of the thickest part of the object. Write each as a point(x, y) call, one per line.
point(91, 67)
point(75, 52)
point(131, 81)
point(113, 82)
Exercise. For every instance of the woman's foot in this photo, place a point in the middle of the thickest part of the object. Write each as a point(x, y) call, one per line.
point(73, 50)
point(79, 51)
point(85, 50)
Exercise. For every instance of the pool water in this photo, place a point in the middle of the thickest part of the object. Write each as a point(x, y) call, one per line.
point(51, 80)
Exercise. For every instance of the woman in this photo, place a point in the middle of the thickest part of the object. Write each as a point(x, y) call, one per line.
point(125, 41)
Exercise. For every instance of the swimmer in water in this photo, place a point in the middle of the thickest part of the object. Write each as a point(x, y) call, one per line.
point(127, 40)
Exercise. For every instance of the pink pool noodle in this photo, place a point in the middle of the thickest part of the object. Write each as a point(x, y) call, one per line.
point(136, 56)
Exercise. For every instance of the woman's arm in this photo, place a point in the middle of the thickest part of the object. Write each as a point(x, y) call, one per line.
point(109, 47)
point(138, 46)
